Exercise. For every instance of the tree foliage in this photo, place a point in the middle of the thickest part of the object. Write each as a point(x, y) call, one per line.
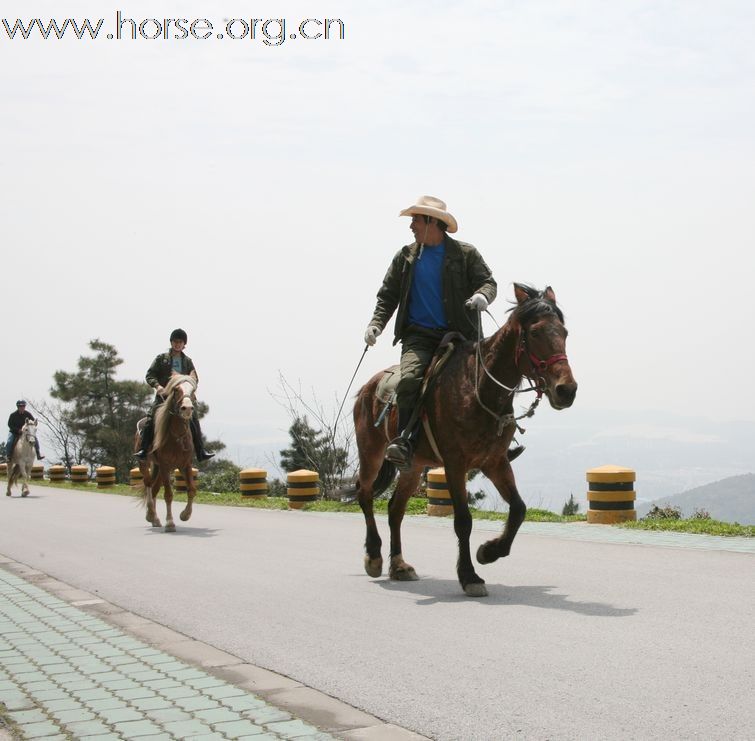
point(571, 507)
point(101, 412)
point(314, 450)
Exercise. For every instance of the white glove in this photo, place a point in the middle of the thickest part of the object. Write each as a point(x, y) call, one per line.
point(371, 335)
point(478, 302)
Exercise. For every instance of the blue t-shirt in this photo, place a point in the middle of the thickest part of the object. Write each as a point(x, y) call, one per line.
point(426, 298)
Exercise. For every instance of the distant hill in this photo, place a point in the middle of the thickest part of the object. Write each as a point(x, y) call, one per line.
point(731, 500)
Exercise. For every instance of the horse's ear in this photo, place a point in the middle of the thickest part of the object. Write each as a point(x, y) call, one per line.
point(549, 294)
point(520, 293)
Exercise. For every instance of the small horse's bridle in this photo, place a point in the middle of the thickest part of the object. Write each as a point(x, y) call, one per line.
point(537, 366)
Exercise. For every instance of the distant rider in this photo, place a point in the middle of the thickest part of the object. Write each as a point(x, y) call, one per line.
point(16, 421)
point(158, 375)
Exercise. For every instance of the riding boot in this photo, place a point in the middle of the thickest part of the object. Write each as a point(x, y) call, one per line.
point(400, 450)
point(196, 434)
point(513, 453)
point(39, 455)
point(147, 435)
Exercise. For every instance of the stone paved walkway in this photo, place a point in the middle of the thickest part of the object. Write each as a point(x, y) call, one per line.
point(68, 674)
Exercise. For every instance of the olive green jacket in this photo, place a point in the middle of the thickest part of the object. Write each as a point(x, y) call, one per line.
point(464, 273)
point(161, 368)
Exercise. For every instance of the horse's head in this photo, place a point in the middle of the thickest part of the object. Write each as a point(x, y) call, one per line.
point(180, 390)
point(29, 431)
point(541, 354)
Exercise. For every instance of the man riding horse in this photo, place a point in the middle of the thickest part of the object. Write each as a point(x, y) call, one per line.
point(16, 421)
point(163, 366)
point(436, 284)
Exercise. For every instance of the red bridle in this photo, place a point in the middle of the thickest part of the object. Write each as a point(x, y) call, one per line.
point(538, 366)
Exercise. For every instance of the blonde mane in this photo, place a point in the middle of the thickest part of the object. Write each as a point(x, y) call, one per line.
point(162, 413)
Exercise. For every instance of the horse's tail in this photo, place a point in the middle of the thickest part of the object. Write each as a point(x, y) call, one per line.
point(384, 479)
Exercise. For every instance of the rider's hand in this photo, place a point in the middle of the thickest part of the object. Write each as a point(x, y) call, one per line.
point(371, 335)
point(478, 302)
point(160, 390)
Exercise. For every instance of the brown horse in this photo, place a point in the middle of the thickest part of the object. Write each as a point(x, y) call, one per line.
point(469, 412)
point(172, 448)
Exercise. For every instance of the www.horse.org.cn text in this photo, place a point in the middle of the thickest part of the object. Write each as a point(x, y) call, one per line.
point(269, 31)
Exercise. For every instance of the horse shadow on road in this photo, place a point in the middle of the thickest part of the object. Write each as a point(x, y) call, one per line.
point(431, 591)
point(189, 532)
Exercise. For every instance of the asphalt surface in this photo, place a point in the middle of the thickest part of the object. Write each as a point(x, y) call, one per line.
point(588, 632)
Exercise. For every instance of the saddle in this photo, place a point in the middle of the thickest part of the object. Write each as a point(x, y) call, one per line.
point(386, 388)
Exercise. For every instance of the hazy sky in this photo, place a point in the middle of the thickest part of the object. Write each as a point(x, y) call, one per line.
point(249, 193)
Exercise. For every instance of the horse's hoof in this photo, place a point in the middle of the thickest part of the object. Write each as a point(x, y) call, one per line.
point(184, 516)
point(373, 566)
point(170, 527)
point(24, 493)
point(476, 590)
point(156, 523)
point(404, 573)
point(481, 558)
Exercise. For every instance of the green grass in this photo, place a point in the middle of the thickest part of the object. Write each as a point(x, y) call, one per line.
point(696, 525)
point(418, 506)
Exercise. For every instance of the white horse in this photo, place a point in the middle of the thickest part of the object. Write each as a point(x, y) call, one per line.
point(24, 453)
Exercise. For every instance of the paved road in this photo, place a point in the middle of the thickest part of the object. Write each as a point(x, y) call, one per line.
point(578, 639)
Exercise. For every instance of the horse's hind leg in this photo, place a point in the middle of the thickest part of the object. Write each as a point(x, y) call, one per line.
point(373, 559)
point(503, 479)
point(399, 569)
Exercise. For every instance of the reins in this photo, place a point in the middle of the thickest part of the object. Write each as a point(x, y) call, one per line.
point(508, 420)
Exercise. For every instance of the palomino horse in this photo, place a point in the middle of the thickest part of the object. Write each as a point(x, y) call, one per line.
point(469, 411)
point(172, 448)
point(22, 459)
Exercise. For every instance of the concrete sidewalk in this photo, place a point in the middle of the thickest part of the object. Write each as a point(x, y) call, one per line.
point(75, 666)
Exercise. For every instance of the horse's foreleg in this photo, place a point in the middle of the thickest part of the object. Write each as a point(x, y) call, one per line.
point(25, 488)
point(406, 486)
point(472, 584)
point(503, 478)
point(191, 488)
point(150, 489)
point(170, 526)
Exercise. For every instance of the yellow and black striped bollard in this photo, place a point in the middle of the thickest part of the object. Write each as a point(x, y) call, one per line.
point(38, 472)
point(302, 487)
point(439, 502)
point(180, 481)
point(80, 474)
point(135, 477)
point(611, 495)
point(56, 473)
point(105, 476)
point(253, 483)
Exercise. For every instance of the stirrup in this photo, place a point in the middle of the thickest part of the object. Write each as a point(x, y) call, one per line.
point(205, 456)
point(141, 454)
point(513, 453)
point(400, 453)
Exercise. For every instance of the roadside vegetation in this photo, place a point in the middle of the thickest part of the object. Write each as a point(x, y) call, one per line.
point(699, 523)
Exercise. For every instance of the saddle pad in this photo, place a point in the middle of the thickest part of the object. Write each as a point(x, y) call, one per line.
point(387, 384)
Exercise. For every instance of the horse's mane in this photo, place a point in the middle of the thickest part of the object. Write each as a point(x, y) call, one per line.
point(162, 413)
point(536, 305)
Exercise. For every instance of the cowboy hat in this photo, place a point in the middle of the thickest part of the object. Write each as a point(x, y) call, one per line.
point(430, 206)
